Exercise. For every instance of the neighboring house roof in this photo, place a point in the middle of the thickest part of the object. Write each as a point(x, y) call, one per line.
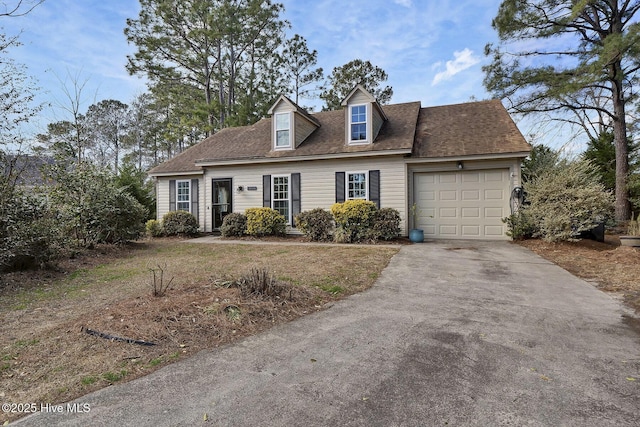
point(26, 168)
point(471, 129)
point(478, 128)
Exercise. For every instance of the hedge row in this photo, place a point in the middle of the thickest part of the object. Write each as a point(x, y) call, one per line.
point(348, 222)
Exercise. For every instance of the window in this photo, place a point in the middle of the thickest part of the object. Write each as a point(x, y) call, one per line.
point(358, 121)
point(281, 195)
point(183, 199)
point(356, 185)
point(283, 126)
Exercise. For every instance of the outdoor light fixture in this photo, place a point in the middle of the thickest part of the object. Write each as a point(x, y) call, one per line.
point(460, 165)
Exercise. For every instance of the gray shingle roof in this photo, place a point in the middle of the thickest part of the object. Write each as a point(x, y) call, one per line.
point(454, 130)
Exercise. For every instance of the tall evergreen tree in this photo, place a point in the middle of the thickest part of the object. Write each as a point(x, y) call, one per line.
point(204, 45)
point(554, 54)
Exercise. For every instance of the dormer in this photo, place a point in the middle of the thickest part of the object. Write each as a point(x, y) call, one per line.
point(290, 124)
point(363, 117)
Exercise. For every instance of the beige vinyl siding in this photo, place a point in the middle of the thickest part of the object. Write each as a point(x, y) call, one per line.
point(377, 122)
point(317, 182)
point(303, 128)
point(162, 196)
point(359, 97)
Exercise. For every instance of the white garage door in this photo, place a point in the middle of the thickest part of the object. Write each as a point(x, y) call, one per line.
point(464, 204)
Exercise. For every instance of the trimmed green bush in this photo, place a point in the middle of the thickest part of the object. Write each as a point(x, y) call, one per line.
point(179, 223)
point(265, 222)
point(234, 224)
point(355, 221)
point(520, 225)
point(387, 223)
point(154, 228)
point(317, 224)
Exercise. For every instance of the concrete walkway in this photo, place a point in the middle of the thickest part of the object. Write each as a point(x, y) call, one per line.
point(453, 333)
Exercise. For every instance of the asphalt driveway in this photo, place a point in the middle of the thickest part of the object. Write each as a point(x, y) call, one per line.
point(453, 333)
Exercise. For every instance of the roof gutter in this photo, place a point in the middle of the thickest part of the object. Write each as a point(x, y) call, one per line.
point(519, 154)
point(199, 172)
point(357, 154)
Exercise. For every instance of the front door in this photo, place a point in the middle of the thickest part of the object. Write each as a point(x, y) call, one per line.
point(221, 201)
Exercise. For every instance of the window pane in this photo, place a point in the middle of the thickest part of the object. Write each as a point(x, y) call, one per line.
point(282, 138)
point(358, 132)
point(282, 121)
point(183, 189)
point(358, 114)
point(282, 206)
point(357, 186)
point(281, 195)
point(358, 123)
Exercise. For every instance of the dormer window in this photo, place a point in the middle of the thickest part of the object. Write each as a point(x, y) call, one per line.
point(358, 124)
point(283, 131)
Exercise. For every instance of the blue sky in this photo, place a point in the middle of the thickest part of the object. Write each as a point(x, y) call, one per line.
point(432, 50)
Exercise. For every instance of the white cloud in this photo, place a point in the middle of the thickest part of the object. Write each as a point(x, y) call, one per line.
point(405, 3)
point(463, 59)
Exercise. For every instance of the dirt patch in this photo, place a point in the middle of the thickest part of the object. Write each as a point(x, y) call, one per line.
point(611, 267)
point(46, 355)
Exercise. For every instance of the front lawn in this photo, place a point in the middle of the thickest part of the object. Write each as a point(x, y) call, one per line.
point(47, 356)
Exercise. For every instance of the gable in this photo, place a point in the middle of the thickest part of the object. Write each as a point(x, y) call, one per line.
point(364, 117)
point(288, 117)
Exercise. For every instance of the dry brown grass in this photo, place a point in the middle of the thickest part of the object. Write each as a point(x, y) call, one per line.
point(46, 357)
point(613, 268)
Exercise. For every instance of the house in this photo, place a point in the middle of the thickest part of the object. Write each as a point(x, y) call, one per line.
point(458, 163)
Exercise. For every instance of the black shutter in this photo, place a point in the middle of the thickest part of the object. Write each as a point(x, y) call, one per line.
point(266, 191)
point(339, 187)
point(295, 196)
point(194, 199)
point(374, 187)
point(172, 195)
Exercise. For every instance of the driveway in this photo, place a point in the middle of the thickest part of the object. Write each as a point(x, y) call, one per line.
point(453, 333)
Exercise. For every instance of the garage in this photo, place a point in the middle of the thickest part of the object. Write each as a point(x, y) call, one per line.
point(463, 204)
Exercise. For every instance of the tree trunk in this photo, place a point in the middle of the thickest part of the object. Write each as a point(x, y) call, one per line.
point(221, 99)
point(622, 205)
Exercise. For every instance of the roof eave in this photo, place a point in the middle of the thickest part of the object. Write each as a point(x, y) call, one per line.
point(518, 155)
point(242, 161)
point(198, 172)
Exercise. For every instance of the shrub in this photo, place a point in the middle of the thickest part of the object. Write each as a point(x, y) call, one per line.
point(93, 208)
point(265, 222)
point(355, 220)
point(520, 225)
point(154, 228)
point(567, 200)
point(234, 224)
point(120, 220)
point(387, 223)
point(179, 223)
point(30, 234)
point(317, 224)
